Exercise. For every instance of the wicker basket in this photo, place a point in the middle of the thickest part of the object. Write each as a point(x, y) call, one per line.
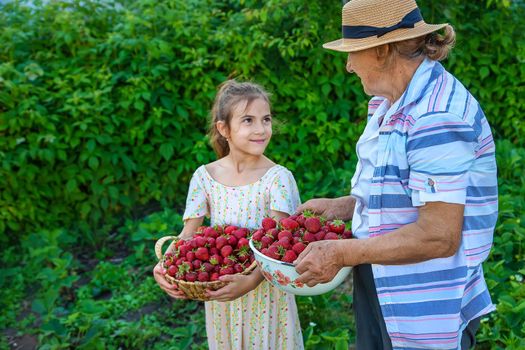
point(194, 290)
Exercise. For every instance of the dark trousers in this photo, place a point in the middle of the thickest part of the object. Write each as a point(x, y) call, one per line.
point(370, 325)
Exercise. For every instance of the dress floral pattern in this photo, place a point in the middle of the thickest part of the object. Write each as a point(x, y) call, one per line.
point(266, 317)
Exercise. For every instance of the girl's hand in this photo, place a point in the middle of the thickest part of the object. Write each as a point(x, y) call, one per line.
point(170, 289)
point(331, 208)
point(238, 286)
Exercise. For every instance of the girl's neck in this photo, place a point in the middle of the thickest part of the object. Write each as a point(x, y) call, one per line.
point(242, 163)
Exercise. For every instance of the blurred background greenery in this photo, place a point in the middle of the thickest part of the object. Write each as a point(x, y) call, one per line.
point(103, 115)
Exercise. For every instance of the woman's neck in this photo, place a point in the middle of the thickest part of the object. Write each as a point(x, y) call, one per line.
point(401, 75)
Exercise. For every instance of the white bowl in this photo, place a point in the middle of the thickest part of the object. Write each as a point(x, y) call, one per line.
point(282, 275)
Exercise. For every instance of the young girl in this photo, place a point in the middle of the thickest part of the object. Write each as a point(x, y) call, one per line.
point(241, 188)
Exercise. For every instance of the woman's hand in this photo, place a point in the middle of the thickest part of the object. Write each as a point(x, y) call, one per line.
point(171, 290)
point(341, 208)
point(320, 262)
point(238, 286)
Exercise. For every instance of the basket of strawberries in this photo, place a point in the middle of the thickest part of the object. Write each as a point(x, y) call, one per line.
point(195, 265)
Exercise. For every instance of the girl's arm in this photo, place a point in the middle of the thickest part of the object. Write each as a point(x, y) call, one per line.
point(241, 284)
point(190, 226)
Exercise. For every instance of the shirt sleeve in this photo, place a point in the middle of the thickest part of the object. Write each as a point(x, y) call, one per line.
point(284, 194)
point(441, 148)
point(196, 202)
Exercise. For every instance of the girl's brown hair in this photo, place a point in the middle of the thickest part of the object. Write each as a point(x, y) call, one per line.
point(230, 94)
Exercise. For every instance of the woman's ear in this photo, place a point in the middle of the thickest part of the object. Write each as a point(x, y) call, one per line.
point(223, 129)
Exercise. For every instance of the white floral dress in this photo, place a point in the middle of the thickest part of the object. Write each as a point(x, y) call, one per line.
point(266, 317)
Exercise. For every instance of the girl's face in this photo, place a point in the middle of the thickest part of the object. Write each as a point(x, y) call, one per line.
point(250, 127)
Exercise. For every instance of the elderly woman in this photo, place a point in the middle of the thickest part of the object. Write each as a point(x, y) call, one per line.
point(423, 201)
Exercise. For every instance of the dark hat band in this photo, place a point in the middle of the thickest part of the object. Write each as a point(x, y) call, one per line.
point(360, 32)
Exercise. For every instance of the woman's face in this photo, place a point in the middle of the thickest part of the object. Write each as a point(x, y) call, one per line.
point(366, 65)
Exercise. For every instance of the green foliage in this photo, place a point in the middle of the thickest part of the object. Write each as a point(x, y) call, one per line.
point(103, 116)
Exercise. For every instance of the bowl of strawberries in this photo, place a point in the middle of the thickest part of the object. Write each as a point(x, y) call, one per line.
point(276, 245)
point(196, 264)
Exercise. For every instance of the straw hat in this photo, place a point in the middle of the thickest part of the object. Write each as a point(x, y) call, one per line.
point(370, 23)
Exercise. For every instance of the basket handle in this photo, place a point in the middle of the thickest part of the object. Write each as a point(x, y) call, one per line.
point(160, 243)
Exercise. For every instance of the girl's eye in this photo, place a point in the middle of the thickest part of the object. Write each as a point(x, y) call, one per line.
point(247, 120)
point(268, 120)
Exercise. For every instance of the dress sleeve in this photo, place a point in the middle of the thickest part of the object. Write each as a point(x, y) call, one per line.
point(284, 194)
point(196, 202)
point(441, 148)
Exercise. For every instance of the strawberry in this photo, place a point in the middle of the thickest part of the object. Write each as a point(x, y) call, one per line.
point(300, 220)
point(216, 259)
point(202, 254)
point(190, 256)
point(214, 250)
point(298, 247)
point(257, 235)
point(266, 241)
point(168, 263)
point(226, 251)
point(200, 241)
point(273, 252)
point(274, 233)
point(211, 242)
point(337, 226)
point(210, 232)
point(347, 234)
point(309, 237)
point(208, 267)
point(289, 224)
point(284, 242)
point(331, 235)
point(312, 224)
point(285, 233)
point(319, 236)
point(168, 255)
point(203, 276)
point(243, 242)
point(226, 270)
point(238, 268)
point(229, 261)
point(191, 276)
point(232, 241)
point(196, 264)
point(289, 256)
point(221, 241)
point(172, 270)
point(214, 276)
point(241, 233)
point(229, 229)
point(268, 224)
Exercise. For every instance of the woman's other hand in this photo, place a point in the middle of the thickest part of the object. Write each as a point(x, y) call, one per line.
point(170, 289)
point(237, 286)
point(341, 208)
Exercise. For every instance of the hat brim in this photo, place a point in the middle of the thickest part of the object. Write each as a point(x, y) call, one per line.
point(351, 45)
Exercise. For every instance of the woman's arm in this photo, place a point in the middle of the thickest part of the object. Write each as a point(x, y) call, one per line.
point(435, 234)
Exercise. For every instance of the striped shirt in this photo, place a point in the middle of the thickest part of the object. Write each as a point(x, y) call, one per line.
point(434, 144)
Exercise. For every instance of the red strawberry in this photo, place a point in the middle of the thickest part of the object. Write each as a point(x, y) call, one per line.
point(228, 261)
point(172, 270)
point(226, 251)
point(221, 241)
point(168, 263)
point(203, 276)
point(226, 270)
point(289, 224)
point(216, 259)
point(300, 219)
point(238, 268)
point(200, 241)
point(268, 223)
point(214, 276)
point(273, 252)
point(299, 247)
point(312, 224)
point(210, 232)
point(241, 233)
point(168, 255)
point(196, 264)
point(331, 235)
point(243, 242)
point(266, 241)
point(214, 250)
point(289, 256)
point(208, 267)
point(285, 233)
point(309, 237)
point(337, 226)
point(190, 256)
point(274, 233)
point(264, 251)
point(347, 234)
point(229, 229)
point(284, 242)
point(257, 235)
point(320, 235)
point(202, 254)
point(191, 276)
point(232, 241)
